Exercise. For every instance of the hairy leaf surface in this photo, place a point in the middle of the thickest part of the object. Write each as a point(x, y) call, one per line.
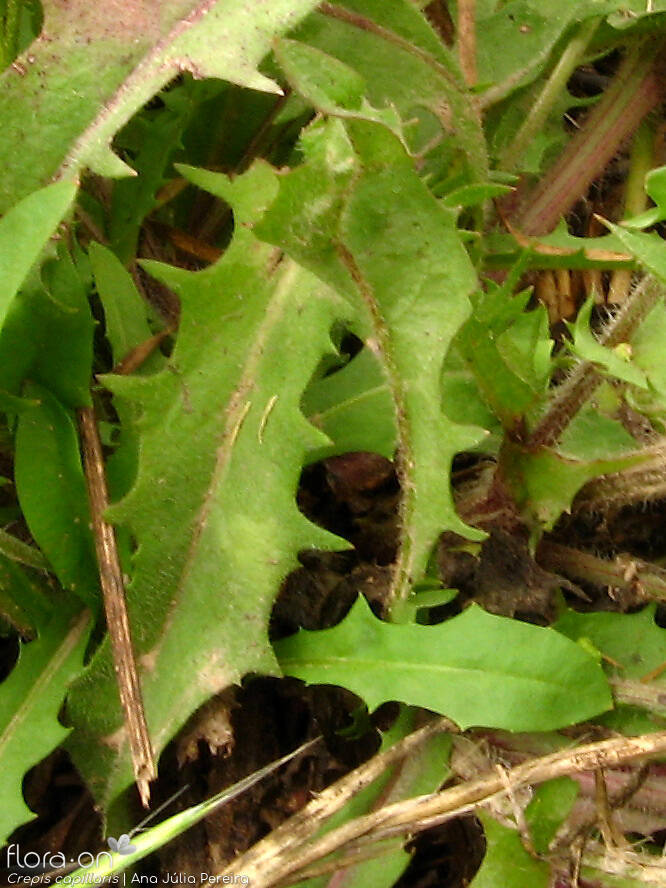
point(477, 669)
point(405, 66)
point(359, 216)
point(213, 513)
point(91, 68)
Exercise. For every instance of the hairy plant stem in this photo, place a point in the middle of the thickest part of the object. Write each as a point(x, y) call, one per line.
point(552, 90)
point(622, 572)
point(584, 379)
point(641, 483)
point(635, 91)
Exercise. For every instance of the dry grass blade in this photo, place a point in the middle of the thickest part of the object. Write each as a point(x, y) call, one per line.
point(287, 851)
point(267, 862)
point(111, 581)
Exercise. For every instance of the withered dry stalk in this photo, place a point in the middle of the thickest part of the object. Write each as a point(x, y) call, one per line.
point(290, 849)
point(113, 592)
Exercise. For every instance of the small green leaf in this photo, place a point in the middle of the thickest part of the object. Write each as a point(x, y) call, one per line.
point(30, 700)
point(549, 806)
point(24, 230)
point(476, 668)
point(588, 347)
point(124, 309)
point(507, 863)
point(324, 80)
point(544, 483)
point(48, 335)
point(592, 436)
point(631, 647)
point(354, 408)
point(52, 493)
point(655, 188)
point(19, 551)
point(634, 641)
point(330, 85)
point(648, 248)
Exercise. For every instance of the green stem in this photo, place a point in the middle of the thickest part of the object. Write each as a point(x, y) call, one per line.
point(552, 90)
point(641, 162)
point(635, 91)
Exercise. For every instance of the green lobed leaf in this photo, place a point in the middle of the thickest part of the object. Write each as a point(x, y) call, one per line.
point(357, 214)
point(52, 493)
point(30, 701)
point(647, 248)
point(405, 66)
point(477, 669)
point(319, 77)
point(213, 512)
point(500, 361)
point(330, 85)
point(631, 647)
point(67, 95)
point(559, 249)
point(591, 435)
